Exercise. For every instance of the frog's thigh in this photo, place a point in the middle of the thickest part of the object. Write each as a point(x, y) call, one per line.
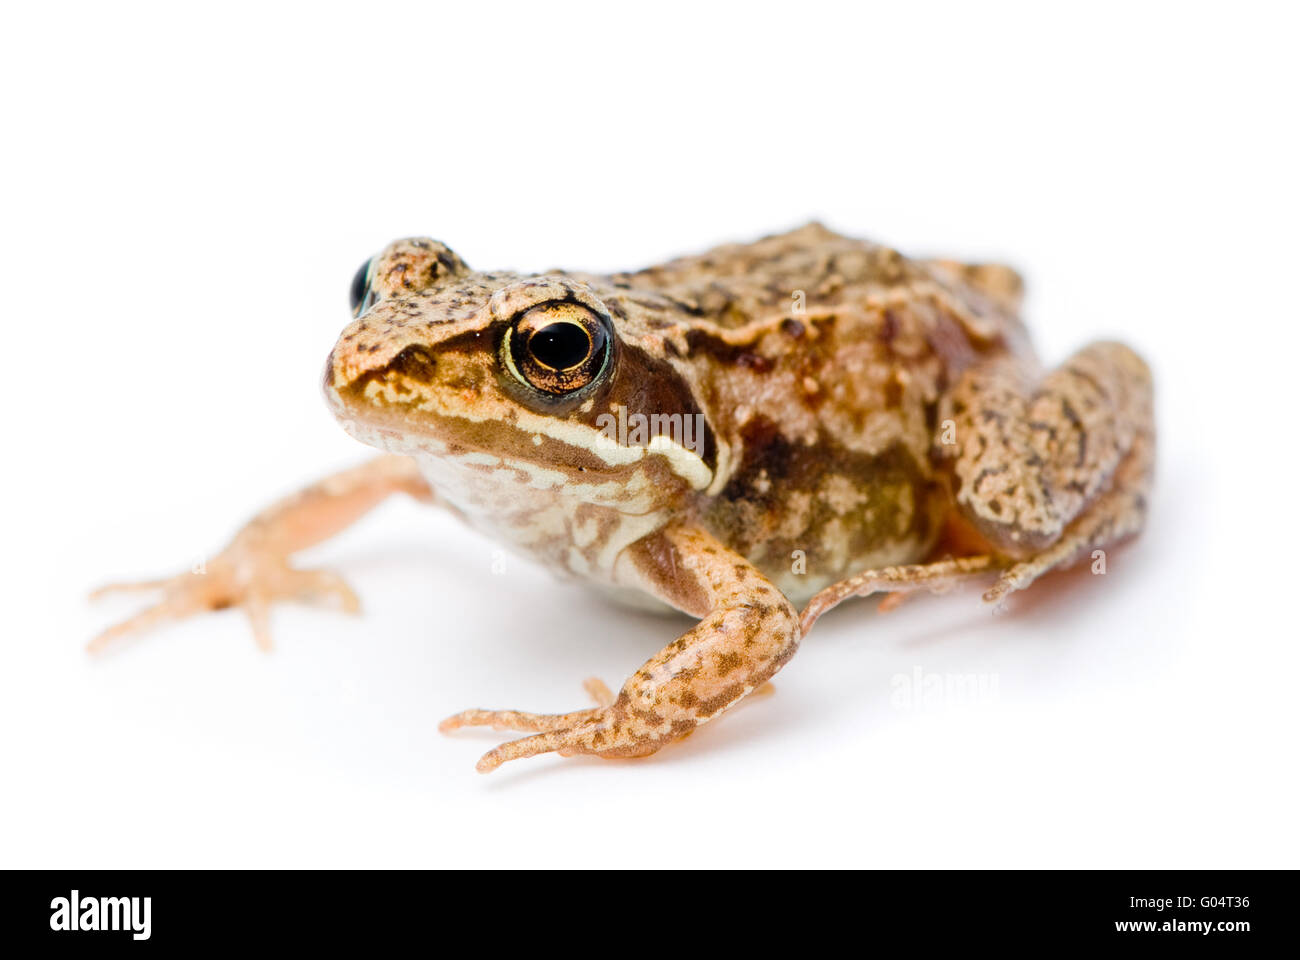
point(1047, 470)
point(748, 630)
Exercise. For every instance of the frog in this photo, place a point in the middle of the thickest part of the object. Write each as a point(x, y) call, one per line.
point(750, 435)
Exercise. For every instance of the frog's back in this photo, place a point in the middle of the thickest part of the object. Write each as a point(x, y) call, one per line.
point(819, 361)
point(734, 285)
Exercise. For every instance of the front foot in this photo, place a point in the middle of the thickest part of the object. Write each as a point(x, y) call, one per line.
point(254, 571)
point(250, 573)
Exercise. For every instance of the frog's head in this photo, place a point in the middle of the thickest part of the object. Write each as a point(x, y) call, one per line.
point(502, 375)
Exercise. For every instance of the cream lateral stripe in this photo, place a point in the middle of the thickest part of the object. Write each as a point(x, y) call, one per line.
point(681, 461)
point(633, 497)
point(575, 435)
point(546, 478)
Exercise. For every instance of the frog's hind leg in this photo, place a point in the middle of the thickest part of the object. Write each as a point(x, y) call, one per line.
point(1044, 472)
point(1048, 471)
point(1115, 516)
point(935, 577)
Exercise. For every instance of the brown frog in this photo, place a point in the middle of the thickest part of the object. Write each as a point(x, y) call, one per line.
point(765, 426)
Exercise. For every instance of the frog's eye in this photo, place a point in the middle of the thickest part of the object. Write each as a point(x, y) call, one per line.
point(361, 294)
point(558, 348)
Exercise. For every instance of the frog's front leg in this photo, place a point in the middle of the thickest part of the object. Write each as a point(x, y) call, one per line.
point(254, 571)
point(747, 631)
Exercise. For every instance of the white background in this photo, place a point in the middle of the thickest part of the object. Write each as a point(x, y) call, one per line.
point(185, 198)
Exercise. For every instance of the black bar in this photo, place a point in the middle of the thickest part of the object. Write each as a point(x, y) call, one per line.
point(1242, 909)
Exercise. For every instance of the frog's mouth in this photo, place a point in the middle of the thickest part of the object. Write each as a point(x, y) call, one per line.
point(392, 411)
point(449, 404)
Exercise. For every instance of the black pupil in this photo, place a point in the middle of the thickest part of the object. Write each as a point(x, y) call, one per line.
point(358, 292)
point(560, 345)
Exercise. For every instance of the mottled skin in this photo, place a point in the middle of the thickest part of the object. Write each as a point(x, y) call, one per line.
point(872, 423)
